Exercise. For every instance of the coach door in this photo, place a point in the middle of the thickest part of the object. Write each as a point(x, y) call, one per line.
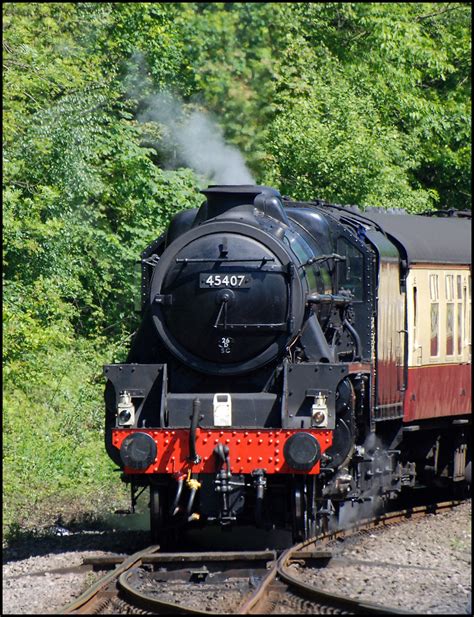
point(391, 331)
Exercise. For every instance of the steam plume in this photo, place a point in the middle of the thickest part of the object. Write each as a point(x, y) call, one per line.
point(196, 140)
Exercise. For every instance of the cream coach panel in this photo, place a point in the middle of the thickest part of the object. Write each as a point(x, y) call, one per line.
point(438, 300)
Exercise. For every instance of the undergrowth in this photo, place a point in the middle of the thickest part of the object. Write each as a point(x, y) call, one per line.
point(54, 460)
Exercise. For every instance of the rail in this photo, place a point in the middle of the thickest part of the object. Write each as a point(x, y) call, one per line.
point(269, 571)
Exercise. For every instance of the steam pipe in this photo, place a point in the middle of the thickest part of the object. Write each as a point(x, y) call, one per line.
point(259, 506)
point(260, 484)
point(314, 342)
point(353, 332)
point(193, 456)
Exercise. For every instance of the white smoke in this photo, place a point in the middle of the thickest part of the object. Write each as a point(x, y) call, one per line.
point(196, 140)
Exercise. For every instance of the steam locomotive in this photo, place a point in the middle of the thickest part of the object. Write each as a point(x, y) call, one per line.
point(294, 358)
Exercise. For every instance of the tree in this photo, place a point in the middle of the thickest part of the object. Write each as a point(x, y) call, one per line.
point(365, 103)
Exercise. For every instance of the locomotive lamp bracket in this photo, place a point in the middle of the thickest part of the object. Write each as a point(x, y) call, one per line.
point(143, 382)
point(125, 409)
point(222, 409)
point(319, 410)
point(299, 401)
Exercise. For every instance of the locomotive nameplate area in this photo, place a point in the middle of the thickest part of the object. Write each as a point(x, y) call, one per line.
point(211, 280)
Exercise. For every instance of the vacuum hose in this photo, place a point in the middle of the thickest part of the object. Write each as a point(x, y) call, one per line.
point(174, 507)
point(193, 486)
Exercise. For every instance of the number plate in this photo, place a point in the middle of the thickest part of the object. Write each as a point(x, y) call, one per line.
point(207, 280)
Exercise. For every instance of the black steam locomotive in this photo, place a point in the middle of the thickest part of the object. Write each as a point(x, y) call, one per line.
point(270, 382)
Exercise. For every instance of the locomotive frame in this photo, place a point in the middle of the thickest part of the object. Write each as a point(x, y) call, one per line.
point(298, 388)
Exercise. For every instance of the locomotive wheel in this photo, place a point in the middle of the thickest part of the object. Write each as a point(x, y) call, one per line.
point(160, 531)
point(156, 515)
point(298, 510)
point(304, 525)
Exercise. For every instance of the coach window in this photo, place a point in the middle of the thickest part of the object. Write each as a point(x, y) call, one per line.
point(434, 297)
point(415, 314)
point(468, 314)
point(351, 270)
point(460, 312)
point(449, 314)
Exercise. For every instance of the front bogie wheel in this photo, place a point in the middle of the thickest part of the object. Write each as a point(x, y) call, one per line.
point(163, 528)
point(156, 515)
point(303, 510)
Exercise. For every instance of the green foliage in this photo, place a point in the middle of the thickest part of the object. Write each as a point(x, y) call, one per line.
point(52, 428)
point(365, 103)
point(82, 198)
point(377, 95)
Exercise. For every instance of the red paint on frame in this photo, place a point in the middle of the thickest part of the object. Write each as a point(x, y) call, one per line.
point(249, 449)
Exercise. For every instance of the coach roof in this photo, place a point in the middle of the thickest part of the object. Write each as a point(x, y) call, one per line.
point(428, 239)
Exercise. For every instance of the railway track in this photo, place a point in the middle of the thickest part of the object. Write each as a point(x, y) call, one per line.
point(249, 582)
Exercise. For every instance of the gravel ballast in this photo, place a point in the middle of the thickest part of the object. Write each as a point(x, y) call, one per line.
point(424, 566)
point(29, 585)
